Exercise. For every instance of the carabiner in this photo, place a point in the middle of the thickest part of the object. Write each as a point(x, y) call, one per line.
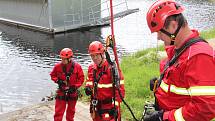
point(94, 102)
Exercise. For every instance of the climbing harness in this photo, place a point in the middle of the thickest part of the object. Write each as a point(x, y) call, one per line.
point(177, 54)
point(94, 101)
point(68, 89)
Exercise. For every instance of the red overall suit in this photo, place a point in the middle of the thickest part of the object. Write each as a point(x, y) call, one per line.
point(187, 91)
point(76, 79)
point(104, 93)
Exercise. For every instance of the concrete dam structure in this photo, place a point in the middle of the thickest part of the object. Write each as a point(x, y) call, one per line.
point(57, 16)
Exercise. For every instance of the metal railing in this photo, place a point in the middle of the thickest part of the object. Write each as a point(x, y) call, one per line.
point(95, 13)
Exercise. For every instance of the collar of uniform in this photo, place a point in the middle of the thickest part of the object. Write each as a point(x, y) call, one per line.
point(193, 35)
point(67, 65)
point(103, 65)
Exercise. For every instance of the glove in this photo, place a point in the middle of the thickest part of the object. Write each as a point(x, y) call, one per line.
point(152, 82)
point(72, 90)
point(154, 116)
point(88, 91)
point(60, 83)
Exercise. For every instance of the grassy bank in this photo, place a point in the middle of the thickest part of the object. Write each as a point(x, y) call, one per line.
point(208, 34)
point(138, 69)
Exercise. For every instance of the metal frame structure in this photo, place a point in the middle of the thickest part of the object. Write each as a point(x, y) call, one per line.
point(54, 16)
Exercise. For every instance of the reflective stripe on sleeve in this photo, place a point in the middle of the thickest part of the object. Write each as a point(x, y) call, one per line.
point(122, 82)
point(202, 90)
point(104, 85)
point(107, 115)
point(164, 86)
point(192, 91)
point(109, 85)
point(89, 83)
point(116, 103)
point(180, 91)
point(178, 115)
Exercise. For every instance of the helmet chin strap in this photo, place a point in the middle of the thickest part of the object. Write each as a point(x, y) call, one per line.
point(101, 60)
point(68, 60)
point(172, 42)
point(172, 36)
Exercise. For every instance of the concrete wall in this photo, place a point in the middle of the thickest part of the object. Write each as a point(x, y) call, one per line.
point(51, 14)
point(33, 12)
point(74, 12)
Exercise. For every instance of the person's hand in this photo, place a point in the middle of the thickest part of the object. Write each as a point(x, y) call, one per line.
point(152, 82)
point(154, 116)
point(88, 91)
point(60, 83)
point(72, 89)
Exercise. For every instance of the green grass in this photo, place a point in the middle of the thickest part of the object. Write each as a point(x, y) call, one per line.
point(208, 34)
point(84, 98)
point(138, 69)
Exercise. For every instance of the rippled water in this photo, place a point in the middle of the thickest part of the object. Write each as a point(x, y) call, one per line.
point(27, 57)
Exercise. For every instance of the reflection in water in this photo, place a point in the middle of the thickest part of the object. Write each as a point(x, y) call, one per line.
point(27, 57)
point(200, 13)
point(34, 45)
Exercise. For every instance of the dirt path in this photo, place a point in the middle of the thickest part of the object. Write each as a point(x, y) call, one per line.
point(44, 112)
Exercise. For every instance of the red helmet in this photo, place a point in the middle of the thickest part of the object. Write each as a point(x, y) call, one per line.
point(66, 53)
point(96, 47)
point(159, 11)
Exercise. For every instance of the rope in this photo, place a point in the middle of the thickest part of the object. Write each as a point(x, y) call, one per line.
point(112, 34)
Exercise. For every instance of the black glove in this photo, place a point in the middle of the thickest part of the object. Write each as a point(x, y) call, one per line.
point(154, 116)
point(152, 81)
point(72, 90)
point(60, 83)
point(88, 91)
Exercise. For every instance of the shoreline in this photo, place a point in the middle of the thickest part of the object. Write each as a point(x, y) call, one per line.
point(44, 111)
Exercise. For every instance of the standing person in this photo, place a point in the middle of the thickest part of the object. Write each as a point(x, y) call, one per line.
point(69, 76)
point(99, 86)
point(186, 88)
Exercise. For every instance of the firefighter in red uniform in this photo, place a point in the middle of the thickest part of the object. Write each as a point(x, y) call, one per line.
point(99, 86)
point(69, 77)
point(186, 87)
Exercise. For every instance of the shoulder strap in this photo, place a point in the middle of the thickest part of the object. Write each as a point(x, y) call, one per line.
point(96, 81)
point(70, 71)
point(183, 48)
point(178, 54)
